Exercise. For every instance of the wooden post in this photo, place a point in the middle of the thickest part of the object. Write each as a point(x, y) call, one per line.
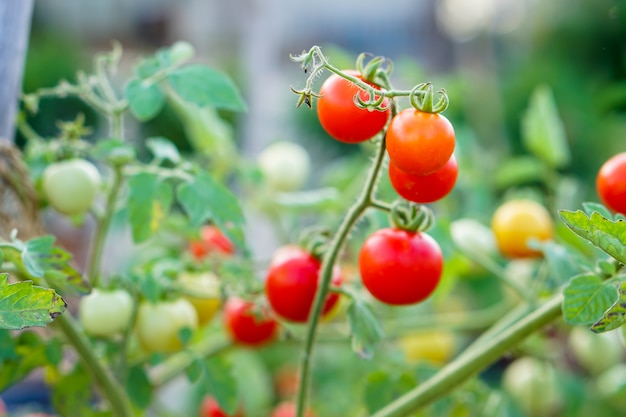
point(15, 17)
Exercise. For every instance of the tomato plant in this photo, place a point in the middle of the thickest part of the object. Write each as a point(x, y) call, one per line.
point(247, 325)
point(611, 183)
point(291, 282)
point(106, 313)
point(400, 267)
point(159, 325)
point(288, 409)
point(210, 408)
point(424, 188)
point(420, 142)
point(596, 353)
point(339, 114)
point(284, 165)
point(71, 186)
point(434, 347)
point(533, 386)
point(212, 241)
point(516, 222)
point(202, 290)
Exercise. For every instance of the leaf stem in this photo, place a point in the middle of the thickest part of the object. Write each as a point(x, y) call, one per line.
point(102, 227)
point(330, 257)
point(111, 389)
point(474, 361)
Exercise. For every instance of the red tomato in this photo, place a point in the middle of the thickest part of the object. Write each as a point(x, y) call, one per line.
point(291, 284)
point(424, 189)
point(419, 142)
point(399, 267)
point(245, 327)
point(611, 183)
point(340, 116)
point(286, 381)
point(288, 409)
point(210, 408)
point(211, 241)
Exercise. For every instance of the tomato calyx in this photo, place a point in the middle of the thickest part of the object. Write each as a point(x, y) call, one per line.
point(411, 217)
point(315, 240)
point(422, 97)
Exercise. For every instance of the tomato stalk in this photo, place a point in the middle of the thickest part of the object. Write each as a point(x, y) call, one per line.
point(353, 214)
point(473, 361)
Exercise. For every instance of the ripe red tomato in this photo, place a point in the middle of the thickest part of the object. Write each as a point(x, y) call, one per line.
point(399, 267)
point(288, 409)
point(611, 183)
point(424, 189)
point(210, 408)
point(339, 115)
point(419, 142)
point(211, 241)
point(291, 284)
point(245, 327)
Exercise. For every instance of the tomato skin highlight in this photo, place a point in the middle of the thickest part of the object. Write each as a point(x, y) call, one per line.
point(210, 408)
point(420, 143)
point(399, 267)
point(244, 327)
point(515, 222)
point(339, 115)
point(212, 241)
point(611, 183)
point(424, 189)
point(292, 281)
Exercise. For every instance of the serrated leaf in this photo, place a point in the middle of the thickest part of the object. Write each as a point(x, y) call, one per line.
point(589, 207)
point(24, 305)
point(587, 298)
point(163, 149)
point(561, 263)
point(149, 201)
point(543, 133)
point(138, 386)
point(609, 236)
point(364, 328)
point(219, 381)
point(145, 99)
point(205, 199)
point(381, 389)
point(205, 86)
point(615, 316)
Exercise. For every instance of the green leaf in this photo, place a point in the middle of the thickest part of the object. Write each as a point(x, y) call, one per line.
point(589, 207)
point(587, 298)
point(72, 393)
point(610, 236)
point(381, 389)
point(145, 99)
point(615, 316)
point(138, 386)
point(205, 199)
point(194, 370)
point(219, 381)
point(205, 86)
point(43, 260)
point(543, 133)
point(561, 262)
point(114, 151)
point(163, 149)
point(149, 202)
point(7, 346)
point(519, 170)
point(27, 353)
point(24, 305)
point(364, 327)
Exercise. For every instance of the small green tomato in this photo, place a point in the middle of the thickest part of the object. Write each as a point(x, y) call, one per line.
point(71, 186)
point(105, 313)
point(284, 165)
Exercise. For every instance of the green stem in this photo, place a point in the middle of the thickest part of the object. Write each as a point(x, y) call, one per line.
point(111, 389)
point(172, 367)
point(117, 124)
point(102, 227)
point(352, 216)
point(473, 362)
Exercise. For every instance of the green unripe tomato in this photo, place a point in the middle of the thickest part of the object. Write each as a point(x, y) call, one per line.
point(611, 386)
point(284, 165)
point(71, 186)
point(181, 52)
point(105, 313)
point(595, 352)
point(159, 325)
point(533, 386)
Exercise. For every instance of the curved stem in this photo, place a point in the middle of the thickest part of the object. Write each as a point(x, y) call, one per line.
point(102, 228)
point(111, 389)
point(468, 365)
point(352, 216)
